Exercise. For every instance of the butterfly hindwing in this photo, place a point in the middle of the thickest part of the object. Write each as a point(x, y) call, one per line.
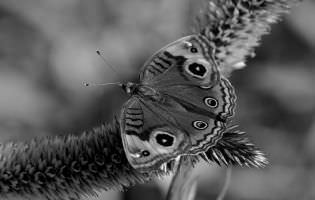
point(219, 100)
point(210, 106)
point(203, 132)
point(148, 138)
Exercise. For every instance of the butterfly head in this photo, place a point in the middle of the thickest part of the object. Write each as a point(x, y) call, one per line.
point(129, 87)
point(141, 90)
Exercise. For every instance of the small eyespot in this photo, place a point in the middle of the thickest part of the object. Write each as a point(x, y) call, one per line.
point(145, 153)
point(211, 102)
point(197, 69)
point(193, 50)
point(165, 140)
point(200, 125)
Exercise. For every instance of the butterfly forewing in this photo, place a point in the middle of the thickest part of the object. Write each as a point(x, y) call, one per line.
point(202, 130)
point(160, 63)
point(219, 100)
point(178, 64)
point(214, 106)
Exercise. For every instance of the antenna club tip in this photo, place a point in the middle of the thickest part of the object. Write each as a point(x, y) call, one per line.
point(98, 52)
point(86, 84)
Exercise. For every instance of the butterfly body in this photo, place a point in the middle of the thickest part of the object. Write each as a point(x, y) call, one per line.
point(180, 106)
point(143, 91)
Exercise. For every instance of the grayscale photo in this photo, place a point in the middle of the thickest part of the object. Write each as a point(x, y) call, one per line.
point(157, 100)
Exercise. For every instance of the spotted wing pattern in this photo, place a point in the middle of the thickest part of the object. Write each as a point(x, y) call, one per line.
point(150, 139)
point(169, 65)
point(217, 104)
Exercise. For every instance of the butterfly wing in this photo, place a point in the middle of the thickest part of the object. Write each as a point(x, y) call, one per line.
point(219, 100)
point(149, 138)
point(216, 105)
point(155, 132)
point(185, 72)
point(185, 61)
point(188, 112)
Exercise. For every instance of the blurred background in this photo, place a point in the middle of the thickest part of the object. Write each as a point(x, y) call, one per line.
point(47, 49)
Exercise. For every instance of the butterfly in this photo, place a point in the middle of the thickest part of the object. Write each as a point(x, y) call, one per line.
point(180, 106)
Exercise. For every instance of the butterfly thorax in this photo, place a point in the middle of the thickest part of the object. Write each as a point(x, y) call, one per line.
point(143, 91)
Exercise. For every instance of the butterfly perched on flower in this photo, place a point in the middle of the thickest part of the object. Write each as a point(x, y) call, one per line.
point(181, 105)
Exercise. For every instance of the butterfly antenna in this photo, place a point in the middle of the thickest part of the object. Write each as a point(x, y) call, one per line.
point(107, 63)
point(87, 84)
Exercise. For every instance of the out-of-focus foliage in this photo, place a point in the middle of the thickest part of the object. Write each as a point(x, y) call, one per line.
point(48, 48)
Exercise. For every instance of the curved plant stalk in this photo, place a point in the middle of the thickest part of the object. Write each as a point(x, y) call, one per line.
point(234, 27)
point(68, 166)
point(184, 184)
point(226, 184)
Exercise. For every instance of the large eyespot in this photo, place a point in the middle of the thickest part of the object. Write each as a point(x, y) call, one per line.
point(211, 102)
point(145, 153)
point(200, 125)
point(164, 139)
point(197, 69)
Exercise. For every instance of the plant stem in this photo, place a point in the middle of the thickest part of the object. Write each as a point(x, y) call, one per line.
point(68, 166)
point(226, 184)
point(184, 183)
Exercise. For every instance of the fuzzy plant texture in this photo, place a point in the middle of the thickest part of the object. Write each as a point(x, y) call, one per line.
point(234, 27)
point(67, 167)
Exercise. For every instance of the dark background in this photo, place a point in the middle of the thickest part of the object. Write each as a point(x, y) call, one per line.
point(47, 49)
